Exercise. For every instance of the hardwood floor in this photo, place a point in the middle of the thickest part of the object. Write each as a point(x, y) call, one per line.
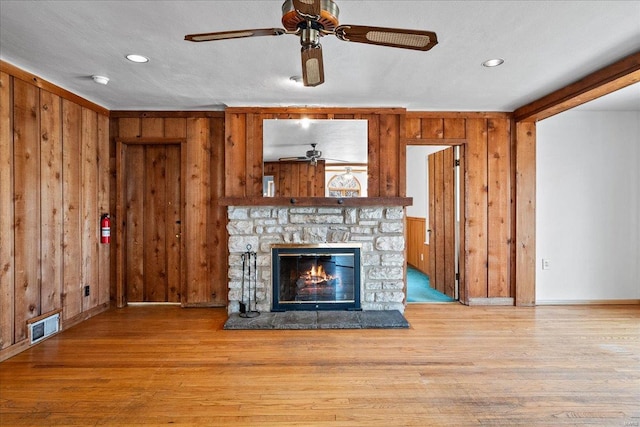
point(455, 366)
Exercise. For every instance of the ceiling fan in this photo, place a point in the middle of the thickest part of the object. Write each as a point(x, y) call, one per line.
point(312, 156)
point(312, 19)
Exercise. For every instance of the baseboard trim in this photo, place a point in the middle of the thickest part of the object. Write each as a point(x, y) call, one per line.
point(589, 302)
point(84, 316)
point(491, 301)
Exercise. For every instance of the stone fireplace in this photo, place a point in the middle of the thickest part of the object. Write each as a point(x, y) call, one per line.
point(378, 232)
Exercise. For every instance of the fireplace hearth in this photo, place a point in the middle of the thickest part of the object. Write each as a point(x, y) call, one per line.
point(316, 277)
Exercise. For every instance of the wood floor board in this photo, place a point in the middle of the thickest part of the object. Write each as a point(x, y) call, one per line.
point(455, 365)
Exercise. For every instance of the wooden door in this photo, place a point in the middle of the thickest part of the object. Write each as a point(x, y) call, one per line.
point(152, 226)
point(442, 222)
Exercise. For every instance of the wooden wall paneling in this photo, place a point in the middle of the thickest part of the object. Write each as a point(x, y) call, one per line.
point(305, 178)
point(525, 213)
point(273, 169)
point(407, 127)
point(119, 222)
point(129, 127)
point(155, 224)
point(388, 160)
point(449, 222)
point(254, 155)
point(432, 128)
point(476, 208)
point(175, 127)
point(373, 155)
point(104, 206)
point(287, 181)
point(235, 155)
point(454, 128)
point(462, 225)
point(176, 160)
point(114, 205)
point(432, 220)
point(89, 201)
point(173, 226)
point(152, 127)
point(499, 207)
point(155, 212)
point(134, 222)
point(7, 255)
point(412, 127)
point(26, 169)
point(218, 238)
point(318, 183)
point(512, 233)
point(416, 256)
point(197, 199)
point(71, 183)
point(51, 200)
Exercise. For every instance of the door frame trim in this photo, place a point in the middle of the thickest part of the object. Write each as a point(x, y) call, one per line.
point(121, 146)
point(462, 285)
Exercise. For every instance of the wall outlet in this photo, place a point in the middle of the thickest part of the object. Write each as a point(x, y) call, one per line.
point(421, 257)
point(87, 291)
point(546, 264)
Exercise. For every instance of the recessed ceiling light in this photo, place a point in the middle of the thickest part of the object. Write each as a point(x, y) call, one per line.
point(100, 79)
point(137, 58)
point(493, 62)
point(296, 80)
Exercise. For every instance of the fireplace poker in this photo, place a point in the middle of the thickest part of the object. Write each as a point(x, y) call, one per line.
point(245, 309)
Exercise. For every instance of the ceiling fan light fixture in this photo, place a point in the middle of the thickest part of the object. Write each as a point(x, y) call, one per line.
point(312, 67)
point(138, 59)
point(297, 80)
point(490, 63)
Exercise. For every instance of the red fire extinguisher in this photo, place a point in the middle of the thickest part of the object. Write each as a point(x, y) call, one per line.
point(105, 229)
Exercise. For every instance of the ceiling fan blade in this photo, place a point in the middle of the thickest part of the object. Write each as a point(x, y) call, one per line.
point(334, 160)
point(224, 35)
point(392, 37)
point(308, 9)
point(312, 65)
point(292, 159)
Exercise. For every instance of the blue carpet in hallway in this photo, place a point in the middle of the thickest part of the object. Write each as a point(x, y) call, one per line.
point(418, 289)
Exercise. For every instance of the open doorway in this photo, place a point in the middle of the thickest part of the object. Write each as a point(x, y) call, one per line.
point(433, 238)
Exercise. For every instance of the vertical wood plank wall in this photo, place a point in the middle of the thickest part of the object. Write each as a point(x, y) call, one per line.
point(488, 208)
point(417, 249)
point(487, 276)
point(300, 179)
point(204, 224)
point(54, 180)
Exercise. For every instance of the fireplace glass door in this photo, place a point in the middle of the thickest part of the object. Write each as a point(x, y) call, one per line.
point(316, 278)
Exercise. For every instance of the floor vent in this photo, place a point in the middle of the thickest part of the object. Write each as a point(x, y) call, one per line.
point(44, 328)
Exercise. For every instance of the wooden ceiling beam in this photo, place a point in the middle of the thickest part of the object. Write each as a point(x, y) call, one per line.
point(602, 82)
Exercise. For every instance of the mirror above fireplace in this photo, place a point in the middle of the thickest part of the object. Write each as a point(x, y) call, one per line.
point(313, 151)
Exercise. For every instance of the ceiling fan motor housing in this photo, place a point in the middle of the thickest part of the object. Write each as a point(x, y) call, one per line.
point(328, 16)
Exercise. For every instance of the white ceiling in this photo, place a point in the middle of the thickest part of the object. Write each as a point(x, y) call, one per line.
point(546, 45)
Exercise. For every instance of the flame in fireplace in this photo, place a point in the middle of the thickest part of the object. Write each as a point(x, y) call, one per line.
point(317, 274)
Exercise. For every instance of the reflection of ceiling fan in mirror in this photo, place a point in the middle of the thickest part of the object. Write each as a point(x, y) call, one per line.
point(312, 156)
point(312, 19)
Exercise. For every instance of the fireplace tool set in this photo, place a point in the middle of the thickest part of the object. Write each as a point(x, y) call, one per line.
point(245, 308)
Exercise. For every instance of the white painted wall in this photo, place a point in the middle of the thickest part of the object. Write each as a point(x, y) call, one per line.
point(588, 207)
point(418, 178)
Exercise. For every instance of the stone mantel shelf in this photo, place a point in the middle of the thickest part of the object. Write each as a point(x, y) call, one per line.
point(317, 201)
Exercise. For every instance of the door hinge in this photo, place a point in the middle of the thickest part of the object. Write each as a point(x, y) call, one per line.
point(456, 162)
point(458, 276)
